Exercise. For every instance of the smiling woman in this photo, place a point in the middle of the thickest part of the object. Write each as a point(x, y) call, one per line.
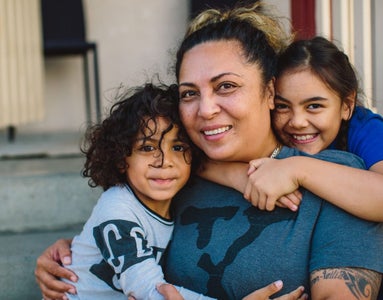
point(214, 102)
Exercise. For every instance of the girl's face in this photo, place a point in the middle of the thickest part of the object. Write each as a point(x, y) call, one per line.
point(307, 112)
point(223, 103)
point(155, 176)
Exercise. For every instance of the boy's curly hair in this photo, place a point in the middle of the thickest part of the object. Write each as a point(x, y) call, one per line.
point(107, 144)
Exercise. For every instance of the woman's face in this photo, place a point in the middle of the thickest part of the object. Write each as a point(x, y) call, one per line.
point(224, 104)
point(307, 114)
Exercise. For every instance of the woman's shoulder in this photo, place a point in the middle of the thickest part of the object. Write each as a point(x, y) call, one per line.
point(335, 156)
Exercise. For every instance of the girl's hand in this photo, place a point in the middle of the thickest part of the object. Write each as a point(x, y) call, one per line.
point(272, 183)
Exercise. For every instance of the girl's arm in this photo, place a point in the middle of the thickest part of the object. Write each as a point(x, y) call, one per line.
point(236, 175)
point(359, 192)
point(231, 174)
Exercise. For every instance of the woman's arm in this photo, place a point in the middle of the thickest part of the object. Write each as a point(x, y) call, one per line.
point(48, 270)
point(345, 283)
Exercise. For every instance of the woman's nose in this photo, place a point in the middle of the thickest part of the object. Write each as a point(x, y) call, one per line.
point(208, 107)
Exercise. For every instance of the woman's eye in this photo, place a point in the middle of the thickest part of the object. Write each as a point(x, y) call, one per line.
point(225, 86)
point(187, 94)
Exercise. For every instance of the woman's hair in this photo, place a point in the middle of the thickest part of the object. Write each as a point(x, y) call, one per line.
point(259, 32)
point(331, 65)
point(107, 144)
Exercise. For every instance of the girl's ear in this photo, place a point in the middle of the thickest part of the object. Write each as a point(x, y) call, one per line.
point(270, 93)
point(348, 106)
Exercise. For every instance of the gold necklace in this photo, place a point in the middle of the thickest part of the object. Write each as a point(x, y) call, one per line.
point(276, 151)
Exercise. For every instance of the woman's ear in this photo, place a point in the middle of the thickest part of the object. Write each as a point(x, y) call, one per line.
point(348, 106)
point(270, 93)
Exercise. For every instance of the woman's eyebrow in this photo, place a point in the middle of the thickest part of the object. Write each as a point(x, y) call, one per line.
point(213, 79)
point(219, 76)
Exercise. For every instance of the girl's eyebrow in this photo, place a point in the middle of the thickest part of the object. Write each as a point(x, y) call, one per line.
point(279, 97)
point(315, 98)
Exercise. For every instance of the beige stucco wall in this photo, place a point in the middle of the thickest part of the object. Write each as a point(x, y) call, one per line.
point(134, 40)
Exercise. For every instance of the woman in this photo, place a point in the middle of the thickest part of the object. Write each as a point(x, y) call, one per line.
point(222, 246)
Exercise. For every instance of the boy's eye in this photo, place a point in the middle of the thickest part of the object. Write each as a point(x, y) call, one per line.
point(180, 148)
point(146, 148)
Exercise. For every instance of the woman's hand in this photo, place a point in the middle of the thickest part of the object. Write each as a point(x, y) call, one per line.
point(272, 183)
point(170, 292)
point(48, 270)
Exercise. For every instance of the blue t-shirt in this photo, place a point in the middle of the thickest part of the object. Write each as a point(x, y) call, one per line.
point(224, 247)
point(365, 136)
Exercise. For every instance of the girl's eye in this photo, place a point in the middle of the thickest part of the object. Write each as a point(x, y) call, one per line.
point(314, 106)
point(281, 106)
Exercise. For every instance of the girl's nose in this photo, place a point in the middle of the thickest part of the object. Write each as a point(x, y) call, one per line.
point(298, 120)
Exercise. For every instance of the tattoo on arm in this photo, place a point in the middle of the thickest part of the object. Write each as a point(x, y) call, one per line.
point(362, 283)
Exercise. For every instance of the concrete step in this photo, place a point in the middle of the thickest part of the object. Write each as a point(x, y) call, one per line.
point(18, 254)
point(42, 194)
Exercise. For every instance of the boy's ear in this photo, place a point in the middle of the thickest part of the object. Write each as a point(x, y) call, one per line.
point(122, 169)
point(348, 106)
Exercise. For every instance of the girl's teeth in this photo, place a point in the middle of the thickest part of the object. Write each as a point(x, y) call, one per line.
point(303, 137)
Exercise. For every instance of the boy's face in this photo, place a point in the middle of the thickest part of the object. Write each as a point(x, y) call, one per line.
point(307, 113)
point(158, 167)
